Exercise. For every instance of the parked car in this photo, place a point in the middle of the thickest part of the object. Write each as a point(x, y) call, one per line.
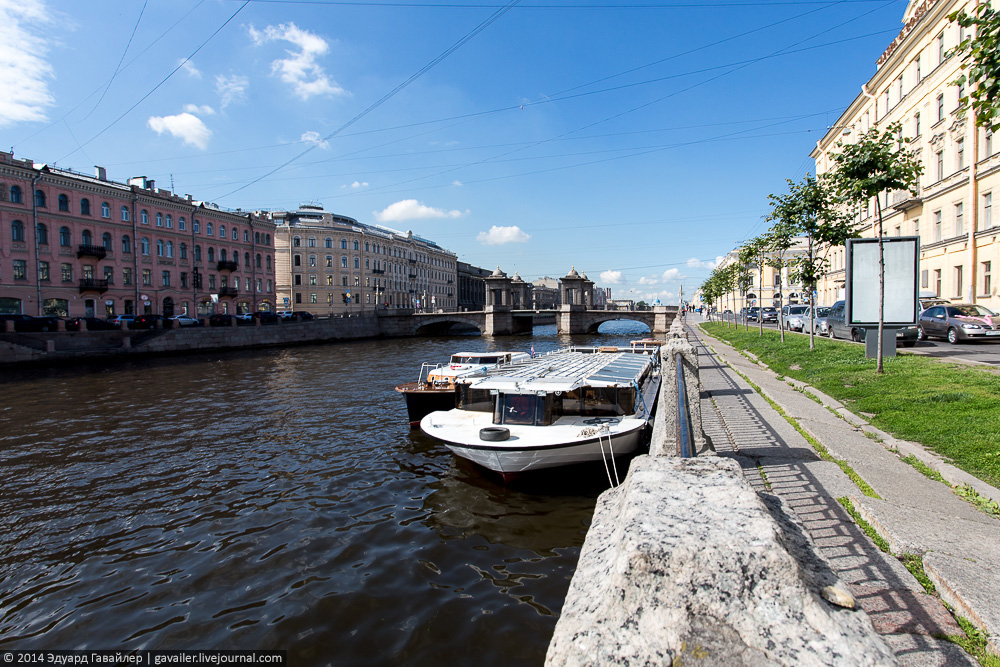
point(91, 323)
point(957, 322)
point(819, 321)
point(223, 320)
point(186, 321)
point(148, 322)
point(905, 337)
point(303, 315)
point(16, 318)
point(266, 317)
point(794, 317)
point(43, 323)
point(118, 319)
point(753, 313)
point(769, 314)
point(244, 318)
point(926, 302)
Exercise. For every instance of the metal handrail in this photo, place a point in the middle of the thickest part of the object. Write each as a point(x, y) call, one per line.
point(685, 436)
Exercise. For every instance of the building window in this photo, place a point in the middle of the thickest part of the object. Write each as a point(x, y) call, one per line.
point(144, 216)
point(88, 272)
point(923, 278)
point(357, 263)
point(124, 214)
point(86, 237)
point(126, 276)
point(343, 244)
point(298, 298)
point(356, 246)
point(958, 281)
point(937, 282)
point(312, 241)
point(296, 242)
point(246, 259)
point(257, 260)
point(329, 261)
point(987, 278)
point(211, 255)
point(222, 231)
point(328, 243)
point(39, 199)
point(211, 282)
point(105, 210)
point(297, 279)
point(989, 143)
point(208, 228)
point(42, 234)
point(67, 273)
point(343, 262)
point(184, 279)
point(916, 124)
point(940, 48)
point(312, 279)
point(246, 238)
point(159, 219)
point(126, 245)
point(940, 107)
point(940, 165)
point(312, 297)
point(43, 271)
point(147, 277)
point(170, 248)
point(269, 268)
point(184, 251)
point(959, 219)
point(195, 225)
point(166, 278)
point(144, 246)
point(960, 149)
point(63, 203)
point(297, 260)
point(987, 220)
point(937, 226)
point(181, 223)
point(106, 241)
point(109, 274)
point(17, 231)
point(329, 279)
point(20, 269)
point(169, 222)
point(312, 260)
point(84, 207)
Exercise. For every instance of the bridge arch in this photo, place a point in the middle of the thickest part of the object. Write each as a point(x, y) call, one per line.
point(445, 324)
point(596, 320)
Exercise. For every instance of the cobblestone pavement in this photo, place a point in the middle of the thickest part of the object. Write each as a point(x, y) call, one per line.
point(777, 459)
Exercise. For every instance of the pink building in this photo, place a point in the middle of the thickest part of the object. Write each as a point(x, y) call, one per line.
point(74, 245)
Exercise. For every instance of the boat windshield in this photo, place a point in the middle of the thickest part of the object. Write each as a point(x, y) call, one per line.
point(524, 409)
point(474, 359)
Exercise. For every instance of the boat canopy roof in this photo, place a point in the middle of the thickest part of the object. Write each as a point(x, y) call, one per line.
point(569, 370)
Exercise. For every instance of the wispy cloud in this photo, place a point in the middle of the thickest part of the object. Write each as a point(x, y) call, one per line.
point(185, 126)
point(231, 89)
point(502, 235)
point(24, 71)
point(612, 277)
point(359, 184)
point(189, 67)
point(204, 109)
point(300, 69)
point(411, 209)
point(314, 138)
point(665, 277)
point(696, 263)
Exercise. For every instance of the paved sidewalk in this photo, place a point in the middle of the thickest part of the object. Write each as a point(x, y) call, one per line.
point(960, 546)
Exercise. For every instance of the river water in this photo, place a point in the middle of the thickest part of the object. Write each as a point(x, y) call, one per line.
point(276, 499)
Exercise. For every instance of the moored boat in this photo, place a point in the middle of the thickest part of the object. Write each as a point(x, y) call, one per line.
point(566, 407)
point(435, 388)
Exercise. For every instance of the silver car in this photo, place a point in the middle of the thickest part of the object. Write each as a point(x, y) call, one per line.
point(959, 321)
point(821, 327)
point(795, 317)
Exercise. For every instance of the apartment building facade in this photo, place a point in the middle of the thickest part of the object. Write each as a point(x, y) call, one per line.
point(76, 245)
point(330, 264)
point(952, 213)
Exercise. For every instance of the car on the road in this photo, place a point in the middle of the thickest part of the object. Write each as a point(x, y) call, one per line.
point(819, 321)
point(186, 321)
point(769, 314)
point(753, 313)
point(148, 321)
point(266, 317)
point(959, 321)
point(244, 318)
point(795, 316)
point(91, 324)
point(905, 336)
point(926, 302)
point(303, 315)
point(18, 319)
point(223, 320)
point(44, 323)
point(118, 319)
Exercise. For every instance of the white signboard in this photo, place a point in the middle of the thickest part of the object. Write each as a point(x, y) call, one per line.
point(901, 258)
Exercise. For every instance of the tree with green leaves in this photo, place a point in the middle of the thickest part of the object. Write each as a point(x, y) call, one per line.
point(752, 254)
point(879, 162)
point(813, 210)
point(778, 241)
point(980, 55)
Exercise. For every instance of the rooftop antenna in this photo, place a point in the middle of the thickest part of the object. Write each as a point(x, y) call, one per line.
point(171, 182)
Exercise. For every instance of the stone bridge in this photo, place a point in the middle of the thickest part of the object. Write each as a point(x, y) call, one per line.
point(502, 322)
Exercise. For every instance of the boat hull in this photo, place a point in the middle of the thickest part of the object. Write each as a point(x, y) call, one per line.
point(422, 400)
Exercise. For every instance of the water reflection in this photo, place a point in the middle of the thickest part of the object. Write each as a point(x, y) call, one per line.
point(274, 499)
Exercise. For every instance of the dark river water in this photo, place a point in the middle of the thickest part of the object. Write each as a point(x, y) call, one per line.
point(276, 499)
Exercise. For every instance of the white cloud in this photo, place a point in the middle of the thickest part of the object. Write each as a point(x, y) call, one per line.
point(458, 183)
point(411, 209)
point(24, 72)
point(665, 277)
point(194, 108)
point(357, 184)
point(184, 126)
point(189, 68)
point(696, 263)
point(231, 89)
point(611, 277)
point(502, 235)
point(300, 69)
point(312, 137)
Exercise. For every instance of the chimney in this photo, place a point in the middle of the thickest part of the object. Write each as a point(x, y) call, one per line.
point(151, 184)
point(101, 173)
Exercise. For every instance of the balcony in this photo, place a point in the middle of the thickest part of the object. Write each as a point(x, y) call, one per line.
point(378, 272)
point(98, 251)
point(93, 285)
point(412, 261)
point(228, 291)
point(413, 276)
point(905, 200)
point(227, 266)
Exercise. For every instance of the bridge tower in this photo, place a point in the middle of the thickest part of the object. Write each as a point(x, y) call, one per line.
point(520, 292)
point(575, 297)
point(498, 304)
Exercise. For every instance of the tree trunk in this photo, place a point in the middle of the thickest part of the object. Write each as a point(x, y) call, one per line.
point(881, 287)
point(812, 301)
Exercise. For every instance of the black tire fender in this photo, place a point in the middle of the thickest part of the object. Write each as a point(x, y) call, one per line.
point(494, 433)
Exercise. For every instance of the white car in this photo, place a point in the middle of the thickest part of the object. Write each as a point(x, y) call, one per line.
point(186, 321)
point(795, 317)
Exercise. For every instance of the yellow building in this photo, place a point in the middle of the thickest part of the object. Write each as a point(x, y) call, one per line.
point(773, 287)
point(953, 211)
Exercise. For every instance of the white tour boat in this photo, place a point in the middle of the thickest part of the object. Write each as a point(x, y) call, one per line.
point(570, 406)
point(435, 388)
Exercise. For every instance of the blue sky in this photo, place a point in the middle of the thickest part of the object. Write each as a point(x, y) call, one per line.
point(635, 140)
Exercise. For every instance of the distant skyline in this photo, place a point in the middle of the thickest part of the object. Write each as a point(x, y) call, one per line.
point(634, 141)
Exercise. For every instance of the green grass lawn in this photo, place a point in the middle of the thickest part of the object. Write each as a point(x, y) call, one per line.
point(950, 408)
